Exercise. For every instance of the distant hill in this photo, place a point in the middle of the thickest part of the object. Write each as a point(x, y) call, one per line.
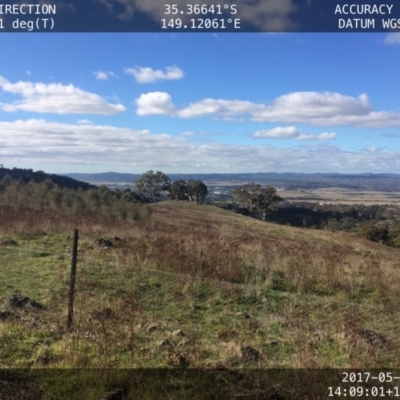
point(27, 175)
point(288, 180)
point(102, 177)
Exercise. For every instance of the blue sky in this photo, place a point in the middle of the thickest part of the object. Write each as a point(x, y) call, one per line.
point(200, 103)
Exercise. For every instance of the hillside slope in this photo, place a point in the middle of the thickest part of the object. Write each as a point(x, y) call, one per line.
point(27, 175)
point(194, 286)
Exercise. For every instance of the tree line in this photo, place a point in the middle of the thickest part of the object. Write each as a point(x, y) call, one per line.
point(377, 223)
point(152, 185)
point(258, 201)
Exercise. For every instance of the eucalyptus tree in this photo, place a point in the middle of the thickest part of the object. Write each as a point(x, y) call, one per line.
point(256, 199)
point(192, 190)
point(151, 184)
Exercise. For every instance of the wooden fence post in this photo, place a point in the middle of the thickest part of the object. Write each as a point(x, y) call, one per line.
point(72, 281)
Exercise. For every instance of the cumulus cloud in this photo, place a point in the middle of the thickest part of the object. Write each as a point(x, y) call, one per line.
point(317, 105)
point(55, 98)
point(311, 108)
point(392, 38)
point(155, 103)
point(39, 141)
point(326, 136)
point(103, 75)
point(224, 108)
point(149, 75)
point(291, 132)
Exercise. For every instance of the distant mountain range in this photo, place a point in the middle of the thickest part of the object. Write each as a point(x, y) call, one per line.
point(288, 180)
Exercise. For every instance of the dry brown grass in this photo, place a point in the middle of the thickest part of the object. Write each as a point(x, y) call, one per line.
point(313, 299)
point(209, 242)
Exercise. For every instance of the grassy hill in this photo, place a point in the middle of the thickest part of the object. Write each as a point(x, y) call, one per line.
point(219, 297)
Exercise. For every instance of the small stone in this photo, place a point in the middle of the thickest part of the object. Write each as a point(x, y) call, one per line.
point(23, 301)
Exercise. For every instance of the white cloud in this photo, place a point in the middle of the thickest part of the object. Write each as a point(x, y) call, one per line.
point(291, 132)
point(224, 108)
point(327, 136)
point(103, 75)
point(155, 103)
point(55, 98)
point(392, 38)
point(38, 142)
point(149, 75)
point(316, 105)
point(311, 108)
